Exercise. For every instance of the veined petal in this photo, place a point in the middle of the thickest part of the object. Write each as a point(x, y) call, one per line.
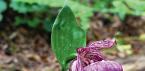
point(104, 66)
point(108, 43)
point(77, 65)
point(89, 55)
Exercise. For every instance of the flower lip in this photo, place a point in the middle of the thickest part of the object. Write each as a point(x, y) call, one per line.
point(104, 66)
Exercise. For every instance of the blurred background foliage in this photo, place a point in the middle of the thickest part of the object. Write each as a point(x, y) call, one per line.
point(120, 19)
point(43, 11)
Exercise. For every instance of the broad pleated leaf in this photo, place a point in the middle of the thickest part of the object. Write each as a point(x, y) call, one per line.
point(66, 36)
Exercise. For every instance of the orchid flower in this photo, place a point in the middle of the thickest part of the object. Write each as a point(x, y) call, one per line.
point(91, 59)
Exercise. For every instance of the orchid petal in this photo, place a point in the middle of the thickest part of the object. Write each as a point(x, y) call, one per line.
point(77, 65)
point(108, 43)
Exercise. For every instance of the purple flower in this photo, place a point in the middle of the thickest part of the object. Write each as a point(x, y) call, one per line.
point(91, 59)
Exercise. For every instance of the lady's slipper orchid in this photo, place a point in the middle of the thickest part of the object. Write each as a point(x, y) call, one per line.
point(91, 59)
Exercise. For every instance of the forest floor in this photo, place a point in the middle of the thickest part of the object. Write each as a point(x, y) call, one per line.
point(24, 50)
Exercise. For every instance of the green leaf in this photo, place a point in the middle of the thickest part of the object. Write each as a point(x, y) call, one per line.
point(138, 5)
point(48, 25)
point(33, 23)
point(66, 36)
point(1, 17)
point(24, 6)
point(3, 6)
